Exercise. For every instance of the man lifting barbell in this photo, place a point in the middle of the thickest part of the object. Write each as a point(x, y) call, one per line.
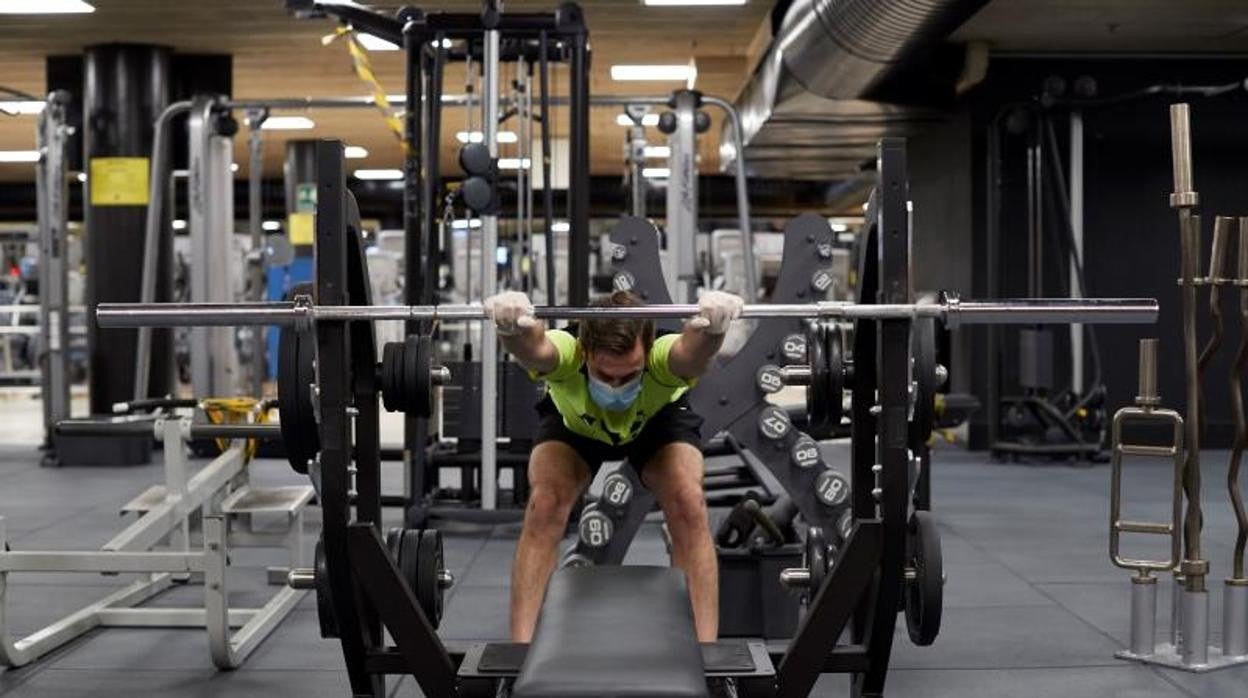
point(615, 391)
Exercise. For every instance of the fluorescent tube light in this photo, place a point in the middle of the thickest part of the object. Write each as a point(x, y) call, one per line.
point(287, 123)
point(373, 42)
point(19, 156)
point(651, 119)
point(380, 175)
point(673, 73)
point(45, 7)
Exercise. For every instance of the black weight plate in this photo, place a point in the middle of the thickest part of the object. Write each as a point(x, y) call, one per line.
point(836, 372)
point(816, 559)
point(391, 362)
point(923, 351)
point(394, 536)
point(421, 397)
point(410, 562)
point(295, 376)
point(474, 159)
point(428, 589)
point(925, 593)
point(324, 603)
point(818, 401)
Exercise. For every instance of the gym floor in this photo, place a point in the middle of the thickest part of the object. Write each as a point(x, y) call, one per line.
point(1032, 605)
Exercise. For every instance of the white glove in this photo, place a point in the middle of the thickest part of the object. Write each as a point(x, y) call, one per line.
point(511, 311)
point(716, 310)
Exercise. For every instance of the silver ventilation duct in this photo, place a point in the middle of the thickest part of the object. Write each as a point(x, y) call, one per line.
point(806, 111)
point(841, 49)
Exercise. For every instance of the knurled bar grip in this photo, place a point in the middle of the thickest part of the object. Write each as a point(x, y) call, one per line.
point(1237, 410)
point(1023, 311)
point(1146, 412)
point(1184, 198)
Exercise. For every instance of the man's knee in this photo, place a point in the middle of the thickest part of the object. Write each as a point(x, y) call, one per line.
point(548, 509)
point(685, 508)
point(677, 483)
point(556, 478)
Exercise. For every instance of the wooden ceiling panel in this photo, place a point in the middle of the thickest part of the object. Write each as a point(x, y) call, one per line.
point(276, 55)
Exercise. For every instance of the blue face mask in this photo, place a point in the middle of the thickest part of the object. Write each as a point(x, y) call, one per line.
point(614, 399)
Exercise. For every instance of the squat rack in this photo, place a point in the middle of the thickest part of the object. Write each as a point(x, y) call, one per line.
point(861, 592)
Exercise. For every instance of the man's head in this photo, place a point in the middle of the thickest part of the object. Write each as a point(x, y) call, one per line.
point(616, 349)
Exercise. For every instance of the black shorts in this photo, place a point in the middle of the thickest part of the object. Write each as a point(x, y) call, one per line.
point(675, 423)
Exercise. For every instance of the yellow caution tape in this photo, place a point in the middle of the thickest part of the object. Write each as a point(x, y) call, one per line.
point(364, 69)
point(235, 410)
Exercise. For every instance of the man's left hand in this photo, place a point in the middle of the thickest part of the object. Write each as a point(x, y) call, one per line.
point(716, 310)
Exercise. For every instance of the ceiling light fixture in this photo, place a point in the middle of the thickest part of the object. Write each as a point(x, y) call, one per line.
point(354, 152)
point(478, 137)
point(651, 119)
point(287, 123)
point(19, 156)
point(656, 172)
point(657, 151)
point(378, 175)
point(513, 163)
point(179, 224)
point(560, 227)
point(372, 42)
point(271, 225)
point(674, 73)
point(45, 7)
point(21, 107)
point(690, 3)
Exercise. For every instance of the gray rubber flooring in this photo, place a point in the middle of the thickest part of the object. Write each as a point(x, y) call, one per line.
point(1032, 605)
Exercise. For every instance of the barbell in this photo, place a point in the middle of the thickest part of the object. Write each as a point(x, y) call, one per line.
point(949, 309)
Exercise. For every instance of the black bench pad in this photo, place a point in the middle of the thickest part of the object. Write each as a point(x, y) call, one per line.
point(614, 632)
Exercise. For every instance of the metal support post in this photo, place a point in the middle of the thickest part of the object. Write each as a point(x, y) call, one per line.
point(682, 199)
point(489, 278)
point(53, 204)
point(255, 212)
point(635, 158)
point(213, 359)
point(1076, 229)
point(158, 187)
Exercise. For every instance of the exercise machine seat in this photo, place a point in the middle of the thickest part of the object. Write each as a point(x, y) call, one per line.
point(614, 632)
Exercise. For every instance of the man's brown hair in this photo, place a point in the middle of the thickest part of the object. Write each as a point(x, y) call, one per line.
point(616, 335)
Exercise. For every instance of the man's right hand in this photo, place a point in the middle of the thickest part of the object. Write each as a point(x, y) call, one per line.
point(512, 313)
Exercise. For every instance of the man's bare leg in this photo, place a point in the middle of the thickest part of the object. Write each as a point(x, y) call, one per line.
point(674, 474)
point(557, 475)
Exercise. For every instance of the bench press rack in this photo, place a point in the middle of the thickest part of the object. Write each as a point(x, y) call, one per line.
point(217, 494)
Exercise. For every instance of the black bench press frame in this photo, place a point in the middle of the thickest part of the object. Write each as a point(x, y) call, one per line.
point(862, 592)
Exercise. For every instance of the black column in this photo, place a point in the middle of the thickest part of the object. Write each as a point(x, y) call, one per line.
point(125, 88)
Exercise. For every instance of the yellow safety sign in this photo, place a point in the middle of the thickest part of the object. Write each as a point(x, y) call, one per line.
point(118, 181)
point(302, 228)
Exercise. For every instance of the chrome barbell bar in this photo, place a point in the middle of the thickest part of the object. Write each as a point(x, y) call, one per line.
point(953, 312)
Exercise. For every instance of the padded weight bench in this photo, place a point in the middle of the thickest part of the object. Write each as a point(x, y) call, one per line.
point(614, 632)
